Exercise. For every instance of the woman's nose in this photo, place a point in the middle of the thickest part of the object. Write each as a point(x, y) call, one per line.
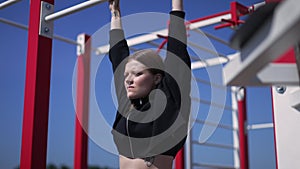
point(129, 80)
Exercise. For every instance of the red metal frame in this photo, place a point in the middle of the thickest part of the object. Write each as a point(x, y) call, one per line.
point(179, 159)
point(287, 57)
point(236, 10)
point(37, 91)
point(162, 45)
point(82, 106)
point(209, 17)
point(242, 118)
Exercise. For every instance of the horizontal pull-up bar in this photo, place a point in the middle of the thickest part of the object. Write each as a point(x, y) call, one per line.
point(25, 27)
point(72, 9)
point(7, 3)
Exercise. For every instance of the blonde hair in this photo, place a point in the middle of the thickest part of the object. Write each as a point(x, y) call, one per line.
point(149, 58)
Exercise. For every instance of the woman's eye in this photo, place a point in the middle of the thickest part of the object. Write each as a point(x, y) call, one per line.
point(139, 73)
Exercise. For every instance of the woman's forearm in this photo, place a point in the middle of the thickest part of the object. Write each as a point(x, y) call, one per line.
point(116, 22)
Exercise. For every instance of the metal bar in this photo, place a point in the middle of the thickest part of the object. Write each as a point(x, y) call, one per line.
point(82, 103)
point(67, 40)
point(196, 58)
point(286, 126)
point(294, 99)
point(235, 137)
point(211, 166)
point(162, 45)
point(285, 73)
point(224, 146)
point(153, 36)
point(133, 49)
point(179, 159)
point(273, 94)
point(242, 117)
point(275, 37)
point(260, 126)
point(297, 57)
point(209, 21)
point(24, 27)
point(208, 50)
point(211, 37)
point(155, 44)
point(209, 17)
point(215, 124)
point(213, 61)
point(287, 57)
point(73, 9)
point(213, 104)
point(37, 92)
point(189, 149)
point(220, 86)
point(256, 6)
point(8, 3)
point(18, 25)
point(193, 24)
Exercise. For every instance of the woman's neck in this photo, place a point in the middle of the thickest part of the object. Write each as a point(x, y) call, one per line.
point(140, 103)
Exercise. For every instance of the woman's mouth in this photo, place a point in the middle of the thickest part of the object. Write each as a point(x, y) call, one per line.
point(130, 87)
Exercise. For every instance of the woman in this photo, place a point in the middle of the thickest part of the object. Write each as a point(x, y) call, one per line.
point(151, 123)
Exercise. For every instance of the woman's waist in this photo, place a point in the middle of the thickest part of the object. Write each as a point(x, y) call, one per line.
point(158, 161)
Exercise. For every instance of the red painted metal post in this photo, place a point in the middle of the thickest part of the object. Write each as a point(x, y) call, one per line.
point(179, 159)
point(162, 45)
point(82, 103)
point(236, 10)
point(242, 118)
point(287, 57)
point(36, 98)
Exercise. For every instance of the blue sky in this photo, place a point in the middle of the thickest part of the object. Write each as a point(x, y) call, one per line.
point(61, 113)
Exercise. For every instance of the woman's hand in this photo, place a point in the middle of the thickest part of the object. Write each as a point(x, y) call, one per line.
point(114, 5)
point(177, 5)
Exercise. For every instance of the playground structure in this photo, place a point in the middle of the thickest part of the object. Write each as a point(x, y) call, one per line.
point(33, 153)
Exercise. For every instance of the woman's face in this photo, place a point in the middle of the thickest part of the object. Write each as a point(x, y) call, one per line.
point(138, 80)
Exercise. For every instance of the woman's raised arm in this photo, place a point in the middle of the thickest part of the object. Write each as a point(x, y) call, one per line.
point(114, 6)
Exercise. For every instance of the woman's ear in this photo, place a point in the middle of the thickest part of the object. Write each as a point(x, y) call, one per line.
point(157, 78)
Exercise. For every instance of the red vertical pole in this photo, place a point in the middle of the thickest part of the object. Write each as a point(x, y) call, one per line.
point(37, 91)
point(82, 103)
point(274, 129)
point(242, 118)
point(179, 159)
point(234, 13)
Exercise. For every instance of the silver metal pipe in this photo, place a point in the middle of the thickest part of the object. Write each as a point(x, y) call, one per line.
point(8, 22)
point(211, 36)
point(7, 3)
point(218, 145)
point(73, 9)
point(21, 26)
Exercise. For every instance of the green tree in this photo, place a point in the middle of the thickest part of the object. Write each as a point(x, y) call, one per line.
point(51, 166)
point(94, 167)
point(64, 167)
